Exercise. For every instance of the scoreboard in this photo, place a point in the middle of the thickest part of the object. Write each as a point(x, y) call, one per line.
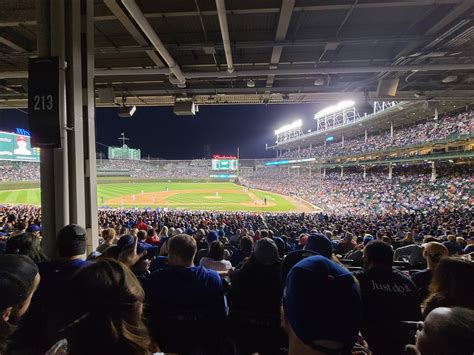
point(17, 147)
point(225, 163)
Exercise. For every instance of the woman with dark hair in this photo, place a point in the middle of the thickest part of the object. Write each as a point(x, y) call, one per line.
point(19, 279)
point(26, 244)
point(215, 259)
point(255, 300)
point(451, 285)
point(106, 313)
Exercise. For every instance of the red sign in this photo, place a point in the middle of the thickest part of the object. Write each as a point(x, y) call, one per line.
point(223, 157)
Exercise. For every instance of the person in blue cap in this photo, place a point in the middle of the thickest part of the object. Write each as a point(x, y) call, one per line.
point(322, 308)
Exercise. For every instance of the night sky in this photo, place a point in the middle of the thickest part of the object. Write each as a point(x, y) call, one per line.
point(158, 132)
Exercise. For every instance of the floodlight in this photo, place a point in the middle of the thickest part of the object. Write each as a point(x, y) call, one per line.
point(335, 108)
point(127, 111)
point(289, 127)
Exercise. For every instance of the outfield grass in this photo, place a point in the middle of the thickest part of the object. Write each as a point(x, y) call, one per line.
point(179, 195)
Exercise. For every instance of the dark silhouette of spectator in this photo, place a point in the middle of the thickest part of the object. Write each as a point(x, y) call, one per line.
point(388, 297)
point(19, 279)
point(451, 285)
point(26, 244)
point(433, 252)
point(255, 300)
point(245, 250)
point(445, 331)
point(105, 316)
point(184, 299)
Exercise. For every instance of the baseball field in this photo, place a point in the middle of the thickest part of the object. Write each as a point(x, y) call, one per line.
point(221, 196)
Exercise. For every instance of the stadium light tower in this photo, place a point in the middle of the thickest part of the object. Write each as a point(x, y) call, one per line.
point(340, 114)
point(289, 132)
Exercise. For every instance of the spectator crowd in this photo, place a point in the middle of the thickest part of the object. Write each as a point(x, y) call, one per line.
point(239, 283)
point(450, 126)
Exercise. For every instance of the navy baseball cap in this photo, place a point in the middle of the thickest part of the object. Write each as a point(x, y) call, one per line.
point(33, 228)
point(320, 244)
point(322, 302)
point(212, 236)
point(127, 241)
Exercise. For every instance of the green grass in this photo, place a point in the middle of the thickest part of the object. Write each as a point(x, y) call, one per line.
point(183, 195)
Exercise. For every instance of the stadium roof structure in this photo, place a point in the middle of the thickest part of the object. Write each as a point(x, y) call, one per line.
point(267, 51)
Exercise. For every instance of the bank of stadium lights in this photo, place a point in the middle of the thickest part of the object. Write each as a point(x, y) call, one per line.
point(289, 127)
point(289, 132)
point(335, 108)
point(340, 114)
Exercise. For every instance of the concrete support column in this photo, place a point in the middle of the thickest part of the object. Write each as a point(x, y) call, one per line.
point(299, 171)
point(68, 175)
point(390, 171)
point(391, 131)
point(88, 102)
point(434, 175)
point(365, 140)
point(365, 172)
point(342, 171)
point(74, 98)
point(309, 171)
point(342, 140)
point(324, 172)
point(310, 148)
point(50, 27)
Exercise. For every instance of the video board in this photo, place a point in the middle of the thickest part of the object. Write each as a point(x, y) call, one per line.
point(17, 147)
point(220, 163)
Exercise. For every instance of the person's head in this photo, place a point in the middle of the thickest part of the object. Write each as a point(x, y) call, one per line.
point(378, 254)
point(348, 237)
point(281, 245)
point(320, 244)
point(452, 281)
point(19, 279)
point(319, 289)
point(461, 241)
point(181, 250)
point(216, 251)
point(386, 239)
point(134, 232)
point(266, 252)
point(25, 244)
point(212, 237)
point(150, 233)
point(446, 331)
point(433, 252)
point(106, 311)
point(303, 239)
point(451, 238)
point(141, 235)
point(200, 233)
point(163, 232)
point(35, 230)
point(246, 244)
point(71, 241)
point(108, 234)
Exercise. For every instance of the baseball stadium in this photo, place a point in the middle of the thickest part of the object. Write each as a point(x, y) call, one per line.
point(293, 177)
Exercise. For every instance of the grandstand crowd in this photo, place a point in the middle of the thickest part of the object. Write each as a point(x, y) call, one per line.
point(240, 283)
point(409, 189)
point(449, 126)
